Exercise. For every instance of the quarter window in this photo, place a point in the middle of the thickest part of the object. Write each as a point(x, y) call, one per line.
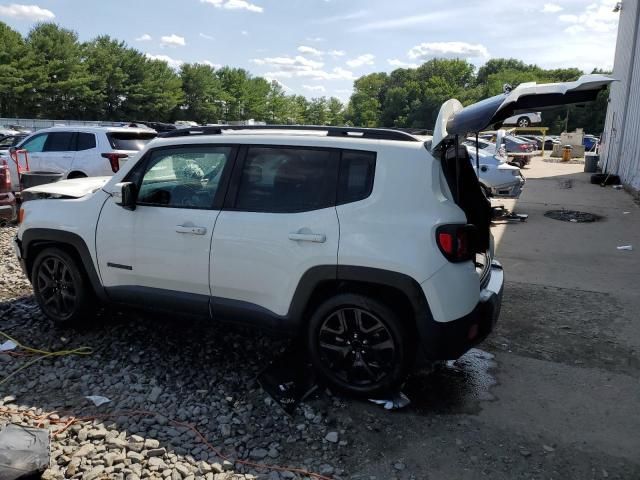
point(184, 177)
point(85, 141)
point(357, 170)
point(277, 179)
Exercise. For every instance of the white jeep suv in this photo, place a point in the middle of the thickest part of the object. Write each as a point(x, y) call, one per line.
point(78, 152)
point(370, 246)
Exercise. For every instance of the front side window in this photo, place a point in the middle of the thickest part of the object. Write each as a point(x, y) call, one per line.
point(35, 144)
point(59, 142)
point(183, 177)
point(278, 179)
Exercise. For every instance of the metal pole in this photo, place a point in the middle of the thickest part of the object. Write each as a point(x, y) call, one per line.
point(457, 170)
point(477, 156)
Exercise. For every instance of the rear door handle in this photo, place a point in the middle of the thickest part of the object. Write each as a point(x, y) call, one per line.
point(191, 229)
point(308, 237)
point(67, 156)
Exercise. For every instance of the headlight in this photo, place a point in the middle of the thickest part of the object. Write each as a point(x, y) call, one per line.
point(516, 173)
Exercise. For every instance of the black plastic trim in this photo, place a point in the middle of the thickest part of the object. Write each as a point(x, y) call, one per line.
point(38, 236)
point(157, 299)
point(119, 265)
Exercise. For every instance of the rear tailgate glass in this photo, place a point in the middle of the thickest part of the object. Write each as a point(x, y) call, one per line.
point(130, 140)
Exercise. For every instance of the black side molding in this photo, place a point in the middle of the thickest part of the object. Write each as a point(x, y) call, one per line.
point(39, 236)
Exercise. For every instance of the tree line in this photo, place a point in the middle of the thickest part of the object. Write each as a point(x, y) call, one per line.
point(411, 97)
point(51, 74)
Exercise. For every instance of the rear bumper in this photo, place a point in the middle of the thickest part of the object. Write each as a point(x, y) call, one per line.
point(450, 340)
point(509, 190)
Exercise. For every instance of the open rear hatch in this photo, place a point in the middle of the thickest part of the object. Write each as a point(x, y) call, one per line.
point(455, 122)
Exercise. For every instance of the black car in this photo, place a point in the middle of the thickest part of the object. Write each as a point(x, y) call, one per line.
point(8, 141)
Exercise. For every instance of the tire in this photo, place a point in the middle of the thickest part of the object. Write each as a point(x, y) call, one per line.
point(61, 287)
point(523, 122)
point(364, 358)
point(73, 175)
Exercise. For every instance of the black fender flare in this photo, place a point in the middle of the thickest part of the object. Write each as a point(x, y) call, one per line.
point(37, 236)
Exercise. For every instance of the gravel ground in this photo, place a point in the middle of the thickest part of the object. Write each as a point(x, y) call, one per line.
point(180, 370)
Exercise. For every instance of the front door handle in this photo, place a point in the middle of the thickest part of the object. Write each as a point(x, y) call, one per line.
point(67, 157)
point(191, 229)
point(308, 237)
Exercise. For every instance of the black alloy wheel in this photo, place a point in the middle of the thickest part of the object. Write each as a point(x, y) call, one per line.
point(359, 345)
point(60, 286)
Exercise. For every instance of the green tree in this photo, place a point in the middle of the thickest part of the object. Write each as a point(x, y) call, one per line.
point(63, 90)
point(335, 112)
point(203, 96)
point(159, 94)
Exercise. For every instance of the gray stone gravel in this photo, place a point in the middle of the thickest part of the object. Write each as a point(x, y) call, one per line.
point(179, 369)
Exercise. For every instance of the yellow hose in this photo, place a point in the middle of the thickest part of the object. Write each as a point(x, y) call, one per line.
point(43, 354)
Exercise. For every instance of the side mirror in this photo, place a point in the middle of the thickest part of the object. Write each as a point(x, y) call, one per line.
point(484, 168)
point(125, 195)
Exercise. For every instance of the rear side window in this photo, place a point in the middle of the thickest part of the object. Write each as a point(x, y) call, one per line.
point(130, 140)
point(35, 144)
point(278, 179)
point(357, 170)
point(59, 142)
point(85, 141)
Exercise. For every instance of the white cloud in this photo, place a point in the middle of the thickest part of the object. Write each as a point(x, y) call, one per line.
point(234, 5)
point(337, 53)
point(305, 50)
point(173, 40)
point(278, 82)
point(574, 29)
point(396, 23)
point(597, 17)
point(210, 64)
point(26, 12)
point(205, 36)
point(315, 88)
point(244, 32)
point(344, 17)
point(428, 50)
point(395, 62)
point(568, 18)
point(316, 39)
point(145, 37)
point(366, 59)
point(301, 67)
point(287, 63)
point(551, 8)
point(172, 62)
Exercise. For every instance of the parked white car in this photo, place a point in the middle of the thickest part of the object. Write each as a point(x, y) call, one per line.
point(524, 119)
point(79, 151)
point(371, 247)
point(497, 177)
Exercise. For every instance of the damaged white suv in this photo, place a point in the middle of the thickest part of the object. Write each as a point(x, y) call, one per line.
point(370, 246)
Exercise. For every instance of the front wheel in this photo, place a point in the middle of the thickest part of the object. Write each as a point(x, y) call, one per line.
point(524, 122)
point(359, 345)
point(60, 286)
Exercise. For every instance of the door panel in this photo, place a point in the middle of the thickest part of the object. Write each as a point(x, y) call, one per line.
point(281, 222)
point(58, 153)
point(165, 242)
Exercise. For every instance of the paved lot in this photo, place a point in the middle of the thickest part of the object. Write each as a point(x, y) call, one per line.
point(552, 394)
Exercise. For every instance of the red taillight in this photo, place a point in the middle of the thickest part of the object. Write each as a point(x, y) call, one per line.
point(524, 147)
point(114, 159)
point(456, 241)
point(5, 177)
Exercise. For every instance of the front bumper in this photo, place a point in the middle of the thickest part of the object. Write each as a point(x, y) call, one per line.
point(17, 249)
point(512, 190)
point(450, 340)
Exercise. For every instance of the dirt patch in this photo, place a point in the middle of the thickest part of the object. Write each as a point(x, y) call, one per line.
point(573, 327)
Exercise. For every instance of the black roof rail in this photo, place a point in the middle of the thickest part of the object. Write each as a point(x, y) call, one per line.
point(353, 132)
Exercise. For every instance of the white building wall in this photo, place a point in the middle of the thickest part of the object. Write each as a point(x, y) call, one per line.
point(620, 152)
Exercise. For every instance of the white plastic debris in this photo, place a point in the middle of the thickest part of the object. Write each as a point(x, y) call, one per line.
point(98, 399)
point(8, 346)
point(617, 187)
point(626, 213)
point(625, 247)
point(396, 401)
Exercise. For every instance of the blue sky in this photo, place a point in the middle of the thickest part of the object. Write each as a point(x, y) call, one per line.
point(318, 47)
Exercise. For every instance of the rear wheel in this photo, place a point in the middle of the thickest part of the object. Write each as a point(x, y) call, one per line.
point(524, 122)
point(359, 345)
point(60, 286)
point(73, 175)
